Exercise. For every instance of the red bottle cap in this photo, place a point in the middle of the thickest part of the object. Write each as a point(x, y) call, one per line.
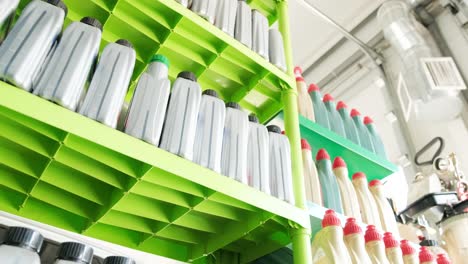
point(390, 241)
point(368, 120)
point(327, 98)
point(339, 163)
point(331, 219)
point(359, 175)
point(313, 87)
point(425, 255)
point(354, 113)
point(374, 183)
point(305, 144)
point(407, 248)
point(297, 71)
point(443, 259)
point(372, 234)
point(322, 154)
point(341, 105)
point(352, 227)
point(283, 132)
point(299, 79)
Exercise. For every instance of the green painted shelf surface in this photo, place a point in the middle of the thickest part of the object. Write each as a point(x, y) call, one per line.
point(62, 169)
point(356, 157)
point(192, 44)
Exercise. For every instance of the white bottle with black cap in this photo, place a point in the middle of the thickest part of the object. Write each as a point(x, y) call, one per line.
point(147, 110)
point(21, 246)
point(258, 161)
point(260, 34)
point(64, 78)
point(226, 16)
point(235, 143)
point(24, 50)
point(182, 113)
point(106, 93)
point(280, 165)
point(276, 49)
point(205, 9)
point(73, 253)
point(118, 260)
point(243, 28)
point(209, 135)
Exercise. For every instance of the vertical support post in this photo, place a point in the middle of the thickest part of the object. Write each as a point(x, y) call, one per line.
point(300, 236)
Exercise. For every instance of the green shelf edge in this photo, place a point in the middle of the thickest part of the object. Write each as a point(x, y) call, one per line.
point(265, 229)
point(356, 157)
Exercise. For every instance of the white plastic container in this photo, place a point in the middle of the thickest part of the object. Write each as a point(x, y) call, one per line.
point(74, 253)
point(276, 49)
point(186, 3)
point(280, 165)
point(392, 249)
point(7, 12)
point(235, 143)
point(328, 246)
point(243, 28)
point(64, 78)
point(387, 217)
point(209, 135)
point(427, 257)
point(24, 50)
point(118, 260)
point(205, 9)
point(258, 162)
point(349, 198)
point(21, 246)
point(106, 93)
point(147, 110)
point(375, 246)
point(354, 240)
point(410, 255)
point(225, 18)
point(179, 132)
point(304, 102)
point(260, 34)
point(369, 211)
point(311, 178)
point(454, 235)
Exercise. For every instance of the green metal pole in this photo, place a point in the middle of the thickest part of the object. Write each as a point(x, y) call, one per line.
point(300, 236)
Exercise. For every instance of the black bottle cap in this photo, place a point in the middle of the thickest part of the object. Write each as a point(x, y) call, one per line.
point(253, 118)
point(125, 43)
point(274, 129)
point(187, 75)
point(92, 22)
point(59, 4)
point(211, 93)
point(428, 243)
point(118, 260)
point(75, 252)
point(233, 105)
point(24, 238)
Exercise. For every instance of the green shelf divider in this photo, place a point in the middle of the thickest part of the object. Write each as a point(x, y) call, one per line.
point(356, 157)
point(62, 169)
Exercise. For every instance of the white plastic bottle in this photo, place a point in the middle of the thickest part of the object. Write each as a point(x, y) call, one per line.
point(426, 256)
point(21, 246)
point(304, 102)
point(7, 12)
point(243, 28)
point(235, 143)
point(27, 45)
point(118, 260)
point(225, 18)
point(258, 162)
point(363, 132)
point(328, 246)
point(349, 198)
point(209, 135)
point(387, 217)
point(369, 211)
point(205, 9)
point(311, 178)
point(181, 120)
point(336, 124)
point(186, 3)
point(64, 78)
point(147, 110)
point(354, 240)
point(410, 255)
point(375, 246)
point(276, 49)
point(74, 253)
point(280, 165)
point(260, 34)
point(392, 249)
point(106, 93)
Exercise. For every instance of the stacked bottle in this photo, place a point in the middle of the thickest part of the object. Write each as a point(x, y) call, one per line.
point(336, 124)
point(426, 256)
point(311, 178)
point(367, 203)
point(21, 246)
point(386, 215)
point(392, 249)
point(304, 102)
point(320, 111)
point(364, 137)
point(375, 138)
point(258, 163)
point(410, 255)
point(71, 252)
point(328, 183)
point(355, 243)
point(348, 194)
point(375, 246)
point(348, 123)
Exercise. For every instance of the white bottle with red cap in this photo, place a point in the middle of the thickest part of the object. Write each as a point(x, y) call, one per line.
point(410, 255)
point(320, 111)
point(328, 183)
point(258, 163)
point(426, 256)
point(363, 132)
point(348, 194)
point(443, 259)
point(328, 245)
point(375, 246)
point(336, 124)
point(392, 249)
point(354, 240)
point(348, 123)
point(387, 217)
point(304, 103)
point(369, 212)
point(311, 178)
point(377, 143)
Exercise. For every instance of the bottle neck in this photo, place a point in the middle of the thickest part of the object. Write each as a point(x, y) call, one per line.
point(158, 70)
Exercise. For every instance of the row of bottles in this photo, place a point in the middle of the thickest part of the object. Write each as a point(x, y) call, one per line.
point(248, 26)
point(336, 117)
point(22, 246)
